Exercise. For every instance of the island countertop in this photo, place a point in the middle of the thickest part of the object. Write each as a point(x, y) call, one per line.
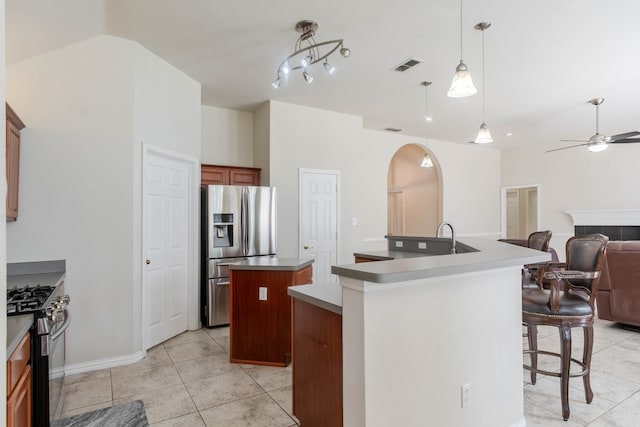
point(277, 264)
point(491, 254)
point(323, 295)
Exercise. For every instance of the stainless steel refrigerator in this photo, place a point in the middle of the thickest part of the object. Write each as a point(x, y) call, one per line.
point(237, 223)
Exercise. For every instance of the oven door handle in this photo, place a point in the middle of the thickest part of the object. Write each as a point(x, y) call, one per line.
point(62, 328)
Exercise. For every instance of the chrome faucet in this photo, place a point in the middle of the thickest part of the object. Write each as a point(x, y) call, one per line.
point(453, 235)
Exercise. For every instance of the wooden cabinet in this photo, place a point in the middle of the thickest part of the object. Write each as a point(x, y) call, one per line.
point(19, 385)
point(260, 320)
point(229, 175)
point(13, 127)
point(317, 365)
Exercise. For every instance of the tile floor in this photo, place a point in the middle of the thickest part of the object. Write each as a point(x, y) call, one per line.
point(188, 381)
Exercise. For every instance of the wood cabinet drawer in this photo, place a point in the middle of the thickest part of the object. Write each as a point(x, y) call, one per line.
point(18, 362)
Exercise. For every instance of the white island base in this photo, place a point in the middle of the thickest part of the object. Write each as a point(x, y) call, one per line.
point(410, 346)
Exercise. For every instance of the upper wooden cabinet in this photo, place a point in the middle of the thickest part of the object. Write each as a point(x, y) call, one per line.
point(229, 175)
point(14, 126)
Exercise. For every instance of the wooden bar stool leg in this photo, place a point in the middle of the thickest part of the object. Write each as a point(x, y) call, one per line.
point(586, 359)
point(532, 338)
point(565, 366)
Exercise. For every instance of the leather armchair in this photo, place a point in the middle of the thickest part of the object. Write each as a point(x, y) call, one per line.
point(618, 296)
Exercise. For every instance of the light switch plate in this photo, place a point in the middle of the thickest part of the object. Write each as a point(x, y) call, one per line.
point(262, 293)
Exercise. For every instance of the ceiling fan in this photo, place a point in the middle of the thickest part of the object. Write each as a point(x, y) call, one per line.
point(599, 142)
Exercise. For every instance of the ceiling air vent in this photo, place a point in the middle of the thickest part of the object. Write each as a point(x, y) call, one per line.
point(405, 65)
point(393, 129)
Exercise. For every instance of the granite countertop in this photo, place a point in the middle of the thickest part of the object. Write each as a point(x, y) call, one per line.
point(46, 273)
point(491, 255)
point(279, 264)
point(323, 295)
point(17, 326)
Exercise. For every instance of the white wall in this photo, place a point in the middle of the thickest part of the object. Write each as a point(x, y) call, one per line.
point(227, 137)
point(302, 137)
point(3, 229)
point(87, 109)
point(574, 179)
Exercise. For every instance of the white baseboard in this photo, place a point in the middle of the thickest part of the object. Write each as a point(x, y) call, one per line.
point(95, 365)
point(521, 423)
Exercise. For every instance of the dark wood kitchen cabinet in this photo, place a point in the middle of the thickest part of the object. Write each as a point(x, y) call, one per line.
point(317, 365)
point(260, 320)
point(13, 128)
point(229, 175)
point(19, 385)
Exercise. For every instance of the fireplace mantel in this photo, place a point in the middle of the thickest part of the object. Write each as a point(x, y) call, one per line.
point(606, 217)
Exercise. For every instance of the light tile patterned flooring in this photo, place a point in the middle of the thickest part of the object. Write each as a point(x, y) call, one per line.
point(188, 381)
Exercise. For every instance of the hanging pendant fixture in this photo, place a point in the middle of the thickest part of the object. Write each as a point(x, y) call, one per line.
point(427, 116)
point(461, 85)
point(484, 135)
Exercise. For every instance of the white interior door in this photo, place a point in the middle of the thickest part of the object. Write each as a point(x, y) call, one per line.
point(513, 215)
point(319, 221)
point(165, 247)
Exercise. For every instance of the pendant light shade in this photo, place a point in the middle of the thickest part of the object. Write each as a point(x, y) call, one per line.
point(427, 162)
point(461, 85)
point(484, 135)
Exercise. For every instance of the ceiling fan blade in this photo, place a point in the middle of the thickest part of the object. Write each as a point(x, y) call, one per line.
point(574, 140)
point(617, 141)
point(564, 148)
point(624, 136)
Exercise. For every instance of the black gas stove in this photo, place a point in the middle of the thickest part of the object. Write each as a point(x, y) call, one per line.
point(28, 299)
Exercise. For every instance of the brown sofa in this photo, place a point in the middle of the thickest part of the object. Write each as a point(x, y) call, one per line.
point(618, 297)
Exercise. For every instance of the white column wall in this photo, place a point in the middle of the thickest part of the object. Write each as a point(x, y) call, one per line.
point(88, 108)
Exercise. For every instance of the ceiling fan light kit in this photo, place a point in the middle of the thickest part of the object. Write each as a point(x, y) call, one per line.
point(307, 53)
point(597, 142)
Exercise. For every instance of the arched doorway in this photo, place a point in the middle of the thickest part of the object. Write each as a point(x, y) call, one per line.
point(413, 193)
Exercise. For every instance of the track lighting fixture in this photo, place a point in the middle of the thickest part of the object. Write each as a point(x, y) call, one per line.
point(307, 52)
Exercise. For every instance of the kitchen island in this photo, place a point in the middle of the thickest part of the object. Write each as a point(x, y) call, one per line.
point(418, 329)
point(260, 319)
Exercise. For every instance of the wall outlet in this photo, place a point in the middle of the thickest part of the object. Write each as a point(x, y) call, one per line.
point(399, 243)
point(465, 395)
point(422, 245)
point(262, 293)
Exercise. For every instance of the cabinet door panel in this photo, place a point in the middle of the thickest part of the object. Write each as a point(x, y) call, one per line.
point(19, 402)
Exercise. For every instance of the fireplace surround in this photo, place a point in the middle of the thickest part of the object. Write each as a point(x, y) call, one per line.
point(620, 224)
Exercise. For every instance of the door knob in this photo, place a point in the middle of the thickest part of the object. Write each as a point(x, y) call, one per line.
point(308, 247)
point(148, 262)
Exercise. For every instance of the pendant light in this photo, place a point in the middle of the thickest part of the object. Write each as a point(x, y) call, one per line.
point(461, 85)
point(484, 136)
point(427, 162)
point(427, 116)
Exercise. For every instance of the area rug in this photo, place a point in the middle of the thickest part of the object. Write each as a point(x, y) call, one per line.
point(129, 414)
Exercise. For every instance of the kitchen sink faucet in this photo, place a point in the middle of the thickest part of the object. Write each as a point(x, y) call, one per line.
point(453, 235)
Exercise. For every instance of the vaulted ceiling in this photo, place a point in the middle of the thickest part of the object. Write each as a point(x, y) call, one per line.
point(543, 59)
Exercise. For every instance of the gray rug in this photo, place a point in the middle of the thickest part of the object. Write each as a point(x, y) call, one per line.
point(126, 415)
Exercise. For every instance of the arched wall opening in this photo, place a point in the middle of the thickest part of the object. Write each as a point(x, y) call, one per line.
point(414, 193)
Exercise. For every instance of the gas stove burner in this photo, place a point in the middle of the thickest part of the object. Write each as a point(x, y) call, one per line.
point(27, 299)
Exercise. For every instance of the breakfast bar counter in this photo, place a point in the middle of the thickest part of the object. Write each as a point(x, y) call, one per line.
point(419, 328)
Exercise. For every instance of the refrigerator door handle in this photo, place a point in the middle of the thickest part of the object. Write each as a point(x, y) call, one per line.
point(244, 215)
